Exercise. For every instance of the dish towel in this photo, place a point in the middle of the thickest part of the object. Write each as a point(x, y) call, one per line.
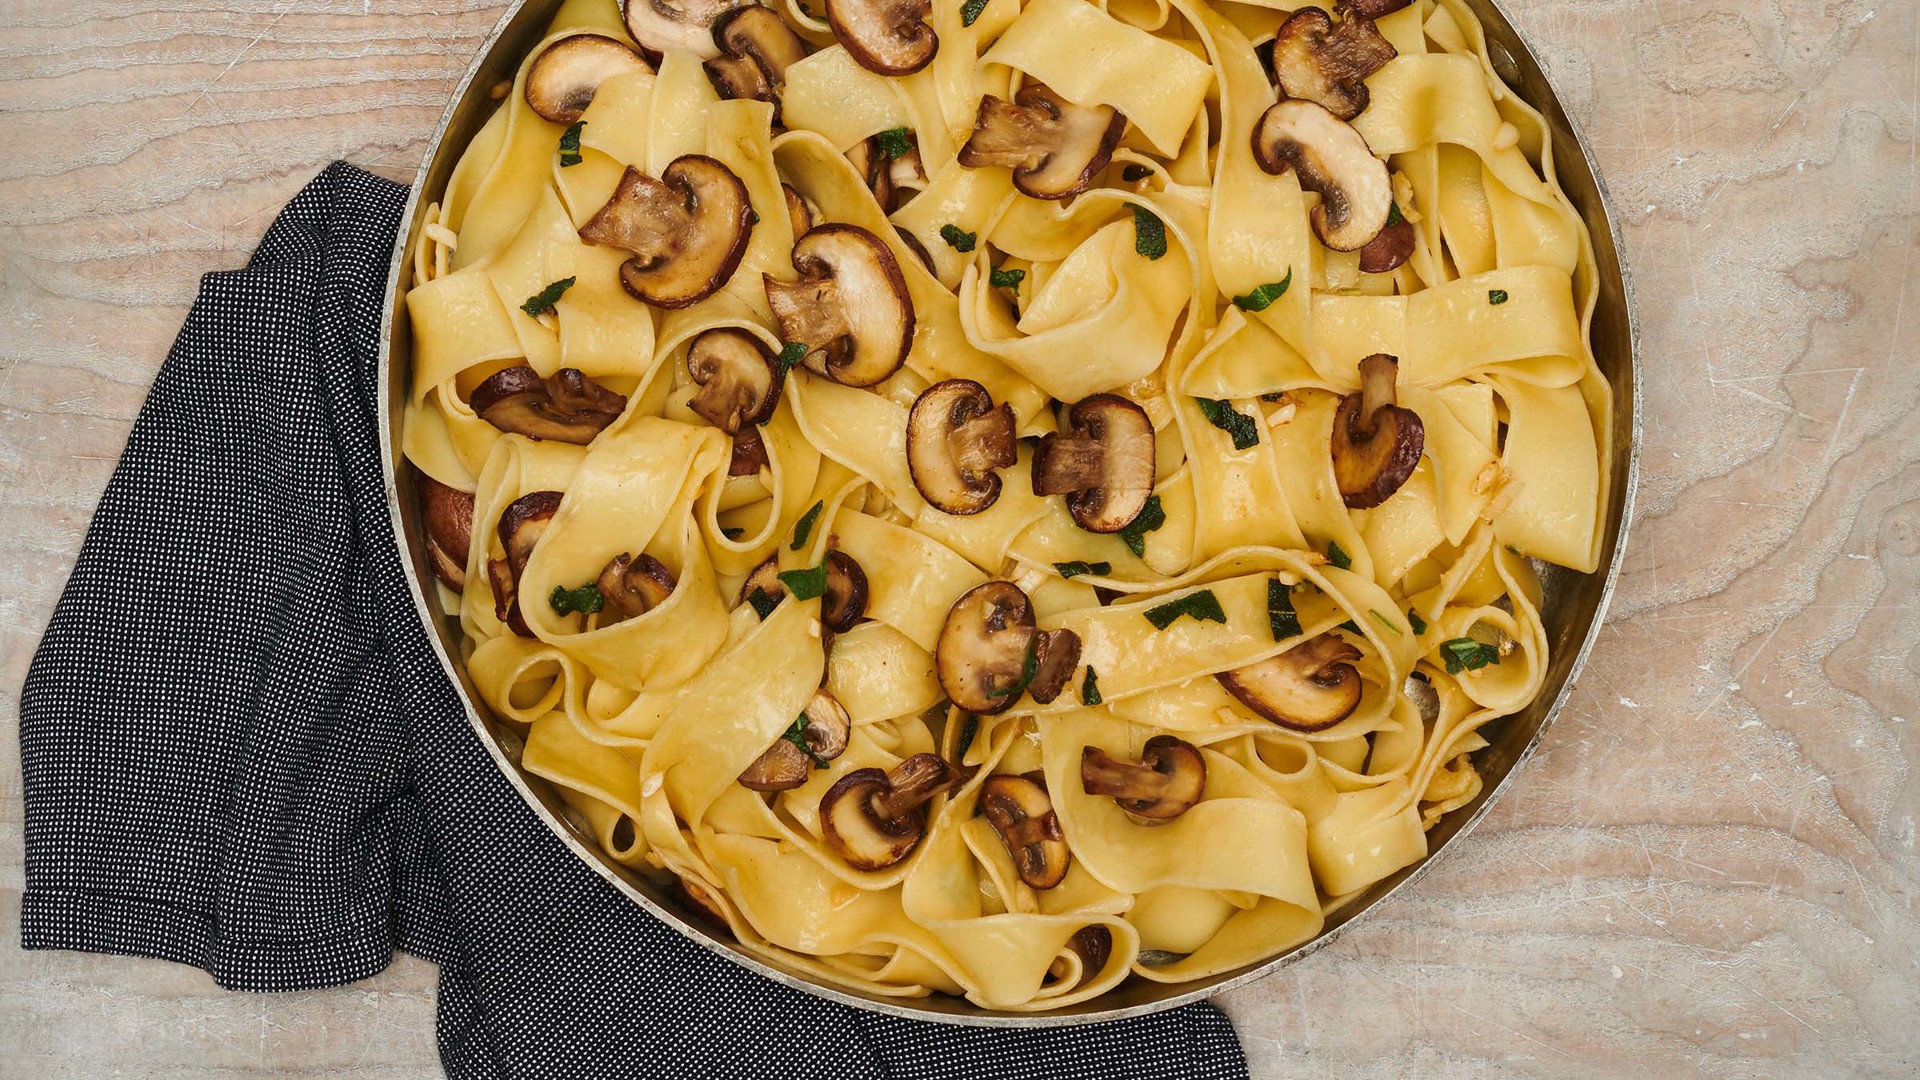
point(240, 752)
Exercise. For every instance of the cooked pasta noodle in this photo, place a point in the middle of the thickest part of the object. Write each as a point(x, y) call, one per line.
point(1057, 513)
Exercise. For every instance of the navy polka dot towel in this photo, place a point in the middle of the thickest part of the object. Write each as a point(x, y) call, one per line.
point(240, 754)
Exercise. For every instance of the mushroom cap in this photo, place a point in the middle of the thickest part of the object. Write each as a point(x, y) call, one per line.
point(845, 601)
point(887, 37)
point(633, 586)
point(447, 514)
point(874, 167)
point(686, 25)
point(739, 379)
point(1094, 946)
point(1388, 250)
point(1331, 158)
point(521, 525)
point(1019, 810)
point(1105, 463)
point(956, 438)
point(1326, 59)
point(873, 818)
point(982, 652)
point(738, 78)
point(1167, 781)
point(850, 307)
point(1376, 444)
point(1054, 147)
point(756, 47)
point(566, 406)
point(1373, 9)
point(1310, 687)
point(785, 765)
point(564, 77)
point(687, 230)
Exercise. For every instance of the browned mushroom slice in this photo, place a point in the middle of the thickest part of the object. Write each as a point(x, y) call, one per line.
point(1330, 158)
point(1376, 443)
point(1104, 462)
point(873, 818)
point(763, 588)
point(1310, 687)
point(1093, 945)
point(800, 212)
point(563, 79)
point(990, 651)
point(1328, 58)
point(1388, 250)
point(1054, 147)
point(749, 453)
point(687, 229)
point(956, 438)
point(873, 166)
point(819, 736)
point(1373, 9)
point(919, 249)
point(632, 587)
point(1165, 783)
point(447, 514)
point(738, 379)
point(686, 25)
point(737, 78)
point(760, 36)
point(522, 524)
point(566, 406)
point(887, 37)
point(1019, 810)
point(850, 306)
point(845, 601)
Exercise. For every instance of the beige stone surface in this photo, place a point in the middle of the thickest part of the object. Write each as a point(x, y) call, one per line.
point(1709, 869)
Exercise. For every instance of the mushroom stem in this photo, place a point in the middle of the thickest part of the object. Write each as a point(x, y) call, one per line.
point(1103, 774)
point(1377, 376)
point(912, 783)
point(985, 442)
point(1072, 463)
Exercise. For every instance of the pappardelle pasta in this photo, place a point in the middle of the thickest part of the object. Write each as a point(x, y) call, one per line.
point(1001, 498)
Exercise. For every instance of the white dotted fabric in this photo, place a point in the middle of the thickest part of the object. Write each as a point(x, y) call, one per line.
point(240, 754)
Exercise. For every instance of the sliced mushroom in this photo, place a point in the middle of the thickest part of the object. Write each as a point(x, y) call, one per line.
point(632, 587)
point(687, 229)
point(956, 438)
point(1019, 810)
point(1330, 158)
point(850, 306)
point(1373, 9)
point(1376, 443)
point(1093, 945)
point(686, 25)
point(1326, 59)
point(845, 602)
point(765, 580)
point(786, 764)
point(800, 212)
point(1165, 783)
point(563, 79)
point(1388, 250)
point(887, 37)
point(1310, 687)
point(749, 453)
point(739, 379)
point(566, 406)
point(1054, 147)
point(1104, 462)
point(873, 818)
point(522, 524)
point(756, 48)
point(447, 514)
point(875, 168)
point(990, 651)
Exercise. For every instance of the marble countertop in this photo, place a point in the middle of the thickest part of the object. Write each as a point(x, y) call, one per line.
point(1708, 870)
